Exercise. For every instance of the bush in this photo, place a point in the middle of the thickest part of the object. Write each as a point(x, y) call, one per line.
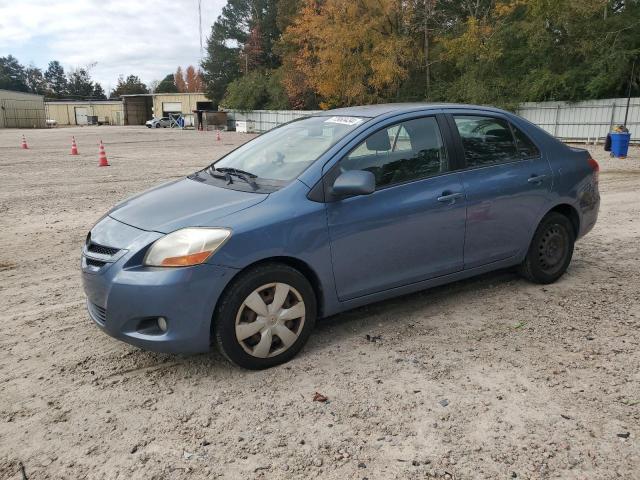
point(256, 91)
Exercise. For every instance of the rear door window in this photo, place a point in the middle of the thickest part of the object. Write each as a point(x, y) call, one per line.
point(486, 140)
point(526, 148)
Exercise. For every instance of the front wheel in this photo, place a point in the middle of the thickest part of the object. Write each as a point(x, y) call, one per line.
point(265, 317)
point(550, 251)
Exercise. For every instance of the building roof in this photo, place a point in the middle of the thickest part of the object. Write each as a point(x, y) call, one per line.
point(75, 102)
point(21, 93)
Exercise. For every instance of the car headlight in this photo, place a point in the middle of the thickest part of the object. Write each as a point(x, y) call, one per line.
point(189, 246)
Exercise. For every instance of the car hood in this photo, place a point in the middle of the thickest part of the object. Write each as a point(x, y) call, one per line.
point(180, 204)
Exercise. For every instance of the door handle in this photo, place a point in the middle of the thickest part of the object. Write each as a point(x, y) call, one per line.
point(537, 179)
point(450, 197)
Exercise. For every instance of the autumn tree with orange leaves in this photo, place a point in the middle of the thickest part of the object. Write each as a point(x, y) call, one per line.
point(181, 83)
point(193, 80)
point(346, 52)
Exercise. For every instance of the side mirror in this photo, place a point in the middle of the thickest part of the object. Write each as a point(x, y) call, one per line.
point(355, 182)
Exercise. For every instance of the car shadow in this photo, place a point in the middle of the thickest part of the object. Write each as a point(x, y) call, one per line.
point(358, 322)
point(364, 320)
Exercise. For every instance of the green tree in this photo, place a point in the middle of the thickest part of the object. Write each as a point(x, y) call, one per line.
point(536, 50)
point(256, 91)
point(98, 92)
point(129, 86)
point(12, 74)
point(56, 80)
point(35, 80)
point(167, 85)
point(228, 48)
point(79, 84)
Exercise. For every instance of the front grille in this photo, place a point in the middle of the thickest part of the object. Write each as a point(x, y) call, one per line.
point(98, 313)
point(101, 249)
point(95, 263)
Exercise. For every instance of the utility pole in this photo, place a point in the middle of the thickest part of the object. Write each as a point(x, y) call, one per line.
point(429, 7)
point(200, 26)
point(626, 113)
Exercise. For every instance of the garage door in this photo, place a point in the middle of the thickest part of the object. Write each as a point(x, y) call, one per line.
point(172, 107)
point(81, 115)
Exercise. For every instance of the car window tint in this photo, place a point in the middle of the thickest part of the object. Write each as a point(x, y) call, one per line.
point(525, 146)
point(486, 140)
point(406, 151)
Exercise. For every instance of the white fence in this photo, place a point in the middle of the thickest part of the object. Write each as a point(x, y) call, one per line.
point(266, 119)
point(581, 121)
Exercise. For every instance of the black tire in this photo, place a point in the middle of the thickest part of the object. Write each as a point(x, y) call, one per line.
point(550, 251)
point(228, 310)
point(158, 125)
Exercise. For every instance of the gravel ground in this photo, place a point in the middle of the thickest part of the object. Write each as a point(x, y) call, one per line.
point(487, 378)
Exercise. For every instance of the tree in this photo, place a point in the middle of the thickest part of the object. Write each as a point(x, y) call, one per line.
point(79, 84)
point(347, 53)
point(167, 85)
point(537, 50)
point(220, 66)
point(252, 54)
point(35, 80)
point(332, 52)
point(255, 91)
point(98, 92)
point(230, 34)
point(132, 85)
point(287, 10)
point(194, 81)
point(153, 85)
point(12, 74)
point(181, 83)
point(56, 80)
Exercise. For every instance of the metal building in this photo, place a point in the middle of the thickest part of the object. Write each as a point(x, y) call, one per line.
point(21, 110)
point(184, 103)
point(100, 112)
point(140, 108)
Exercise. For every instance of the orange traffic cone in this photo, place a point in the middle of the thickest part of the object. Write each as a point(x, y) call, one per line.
point(103, 156)
point(218, 136)
point(24, 145)
point(74, 147)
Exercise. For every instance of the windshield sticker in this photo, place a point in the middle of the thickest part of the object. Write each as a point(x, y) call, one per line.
point(344, 120)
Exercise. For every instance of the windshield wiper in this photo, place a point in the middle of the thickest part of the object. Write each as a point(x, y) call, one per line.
point(218, 174)
point(241, 174)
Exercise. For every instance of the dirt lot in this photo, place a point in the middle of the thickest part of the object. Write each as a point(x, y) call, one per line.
point(487, 378)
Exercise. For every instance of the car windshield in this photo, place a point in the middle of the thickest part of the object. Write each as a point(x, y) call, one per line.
point(285, 152)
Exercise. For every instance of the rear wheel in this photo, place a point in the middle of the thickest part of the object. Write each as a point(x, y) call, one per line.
point(158, 125)
point(265, 317)
point(550, 251)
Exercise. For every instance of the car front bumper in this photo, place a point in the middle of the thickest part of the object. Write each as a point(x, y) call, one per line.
point(125, 299)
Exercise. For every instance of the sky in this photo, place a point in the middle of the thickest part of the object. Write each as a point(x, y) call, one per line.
point(148, 38)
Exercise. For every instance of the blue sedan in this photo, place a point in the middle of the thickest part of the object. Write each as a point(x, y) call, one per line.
point(330, 212)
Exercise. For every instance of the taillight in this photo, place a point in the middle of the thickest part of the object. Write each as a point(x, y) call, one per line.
point(595, 167)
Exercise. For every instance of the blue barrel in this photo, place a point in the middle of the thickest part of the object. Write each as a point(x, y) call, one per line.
point(620, 144)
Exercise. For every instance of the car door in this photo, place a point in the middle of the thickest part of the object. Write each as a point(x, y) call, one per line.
point(412, 227)
point(506, 182)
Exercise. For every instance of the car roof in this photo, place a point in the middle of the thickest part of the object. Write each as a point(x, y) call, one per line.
point(372, 111)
